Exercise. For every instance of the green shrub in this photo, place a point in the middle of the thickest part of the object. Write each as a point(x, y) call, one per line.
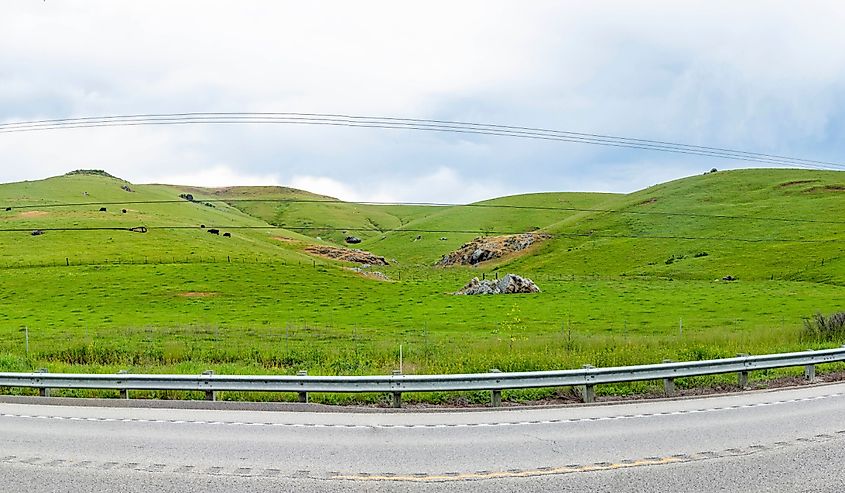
point(830, 328)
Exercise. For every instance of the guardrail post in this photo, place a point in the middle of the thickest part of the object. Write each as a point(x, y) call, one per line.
point(210, 395)
point(303, 396)
point(124, 393)
point(43, 391)
point(397, 396)
point(668, 383)
point(496, 394)
point(588, 391)
point(742, 377)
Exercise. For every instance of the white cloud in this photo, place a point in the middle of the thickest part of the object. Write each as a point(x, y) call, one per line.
point(217, 176)
point(441, 185)
point(757, 75)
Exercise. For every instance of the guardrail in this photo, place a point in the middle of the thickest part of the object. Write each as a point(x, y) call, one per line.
point(586, 378)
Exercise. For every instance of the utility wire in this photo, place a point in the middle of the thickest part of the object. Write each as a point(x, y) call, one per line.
point(424, 204)
point(410, 124)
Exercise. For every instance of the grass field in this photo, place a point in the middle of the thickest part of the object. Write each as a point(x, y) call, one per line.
point(183, 300)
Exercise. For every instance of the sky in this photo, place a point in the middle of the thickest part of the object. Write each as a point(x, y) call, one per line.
point(763, 76)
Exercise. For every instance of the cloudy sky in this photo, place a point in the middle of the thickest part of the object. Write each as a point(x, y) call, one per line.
point(762, 76)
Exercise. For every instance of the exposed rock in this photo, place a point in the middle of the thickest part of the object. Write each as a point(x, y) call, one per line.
point(729, 278)
point(483, 248)
point(346, 254)
point(509, 284)
point(379, 276)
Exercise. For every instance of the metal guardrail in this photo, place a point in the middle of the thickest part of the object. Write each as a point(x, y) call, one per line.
point(586, 378)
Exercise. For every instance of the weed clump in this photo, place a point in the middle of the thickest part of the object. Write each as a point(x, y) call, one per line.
point(823, 328)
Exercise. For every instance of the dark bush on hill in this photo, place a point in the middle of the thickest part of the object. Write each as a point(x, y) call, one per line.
point(92, 172)
point(823, 328)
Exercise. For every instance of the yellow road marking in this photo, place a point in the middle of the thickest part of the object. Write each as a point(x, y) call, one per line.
point(513, 474)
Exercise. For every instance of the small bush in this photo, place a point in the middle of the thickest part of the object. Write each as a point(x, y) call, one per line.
point(823, 328)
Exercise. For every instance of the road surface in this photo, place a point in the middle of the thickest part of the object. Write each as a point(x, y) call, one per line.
point(785, 440)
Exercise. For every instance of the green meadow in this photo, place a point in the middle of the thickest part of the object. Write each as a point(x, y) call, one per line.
point(626, 279)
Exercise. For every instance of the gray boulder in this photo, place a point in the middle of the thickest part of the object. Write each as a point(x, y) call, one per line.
point(510, 284)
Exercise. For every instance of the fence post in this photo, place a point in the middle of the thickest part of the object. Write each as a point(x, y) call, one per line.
point(588, 391)
point(668, 383)
point(210, 395)
point(742, 377)
point(124, 393)
point(43, 391)
point(496, 394)
point(397, 396)
point(303, 396)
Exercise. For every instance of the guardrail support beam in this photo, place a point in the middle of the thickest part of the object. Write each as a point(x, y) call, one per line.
point(496, 394)
point(668, 383)
point(43, 391)
point(742, 377)
point(397, 399)
point(496, 398)
point(210, 395)
point(303, 396)
point(810, 373)
point(124, 393)
point(588, 392)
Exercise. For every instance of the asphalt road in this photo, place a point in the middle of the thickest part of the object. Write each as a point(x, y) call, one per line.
point(787, 440)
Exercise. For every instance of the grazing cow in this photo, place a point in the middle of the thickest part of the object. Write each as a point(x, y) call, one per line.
point(37, 232)
point(227, 235)
point(202, 226)
point(214, 231)
point(103, 209)
point(8, 209)
point(123, 211)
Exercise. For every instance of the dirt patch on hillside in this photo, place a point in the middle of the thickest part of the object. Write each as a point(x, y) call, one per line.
point(197, 294)
point(796, 182)
point(648, 201)
point(284, 239)
point(346, 255)
point(33, 214)
point(486, 248)
point(826, 188)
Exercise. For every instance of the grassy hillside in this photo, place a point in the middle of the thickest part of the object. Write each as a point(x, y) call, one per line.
point(38, 205)
point(314, 215)
point(774, 224)
point(618, 287)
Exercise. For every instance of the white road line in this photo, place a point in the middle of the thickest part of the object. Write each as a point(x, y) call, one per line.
point(412, 426)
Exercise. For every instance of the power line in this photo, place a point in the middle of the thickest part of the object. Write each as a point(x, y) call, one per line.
point(437, 231)
point(430, 204)
point(411, 124)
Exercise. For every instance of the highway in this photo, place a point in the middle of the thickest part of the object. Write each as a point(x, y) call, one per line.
point(784, 440)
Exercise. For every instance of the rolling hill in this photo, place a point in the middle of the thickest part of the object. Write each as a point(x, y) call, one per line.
point(620, 274)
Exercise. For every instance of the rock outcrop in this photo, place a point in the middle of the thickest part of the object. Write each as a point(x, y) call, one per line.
point(346, 254)
point(510, 284)
point(487, 248)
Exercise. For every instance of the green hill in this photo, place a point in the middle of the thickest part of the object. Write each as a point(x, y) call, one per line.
point(625, 278)
point(67, 210)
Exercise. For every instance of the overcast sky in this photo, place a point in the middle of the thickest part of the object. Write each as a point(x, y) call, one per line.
point(761, 76)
